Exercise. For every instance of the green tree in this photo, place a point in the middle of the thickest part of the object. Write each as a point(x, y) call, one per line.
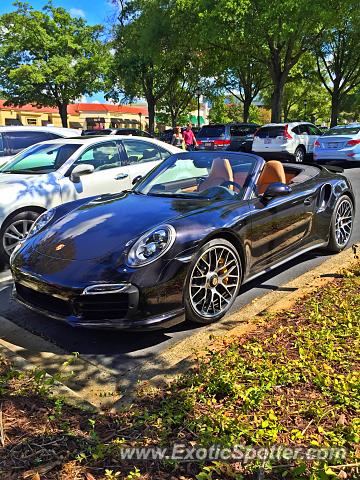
point(281, 33)
point(150, 57)
point(179, 100)
point(338, 56)
point(48, 58)
point(225, 109)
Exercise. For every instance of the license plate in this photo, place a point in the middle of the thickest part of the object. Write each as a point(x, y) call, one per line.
point(267, 140)
point(208, 144)
point(333, 145)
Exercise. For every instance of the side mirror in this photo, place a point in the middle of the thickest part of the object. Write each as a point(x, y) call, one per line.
point(277, 189)
point(81, 170)
point(137, 179)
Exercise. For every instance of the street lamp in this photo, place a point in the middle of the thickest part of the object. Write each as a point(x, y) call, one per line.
point(198, 93)
point(305, 105)
point(140, 116)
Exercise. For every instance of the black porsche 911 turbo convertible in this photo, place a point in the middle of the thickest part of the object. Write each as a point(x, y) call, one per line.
point(180, 244)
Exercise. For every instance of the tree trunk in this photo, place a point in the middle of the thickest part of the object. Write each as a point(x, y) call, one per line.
point(151, 108)
point(276, 100)
point(335, 108)
point(63, 114)
point(247, 104)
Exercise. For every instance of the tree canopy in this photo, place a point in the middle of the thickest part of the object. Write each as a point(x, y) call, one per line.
point(48, 58)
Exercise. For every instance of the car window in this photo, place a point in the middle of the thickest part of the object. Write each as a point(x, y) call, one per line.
point(242, 130)
point(101, 156)
point(211, 131)
point(18, 141)
point(343, 131)
point(314, 130)
point(138, 151)
point(164, 153)
point(194, 175)
point(43, 158)
point(271, 132)
point(303, 129)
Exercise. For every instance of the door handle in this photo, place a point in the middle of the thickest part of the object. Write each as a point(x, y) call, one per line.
point(308, 201)
point(121, 176)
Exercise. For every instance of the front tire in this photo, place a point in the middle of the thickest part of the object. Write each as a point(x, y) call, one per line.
point(14, 230)
point(341, 225)
point(213, 282)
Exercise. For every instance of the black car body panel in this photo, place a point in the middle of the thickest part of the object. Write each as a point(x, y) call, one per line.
point(86, 246)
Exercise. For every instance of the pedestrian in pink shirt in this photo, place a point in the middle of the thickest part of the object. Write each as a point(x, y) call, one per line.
point(189, 138)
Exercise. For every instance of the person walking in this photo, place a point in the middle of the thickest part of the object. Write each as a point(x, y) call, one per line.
point(178, 139)
point(189, 138)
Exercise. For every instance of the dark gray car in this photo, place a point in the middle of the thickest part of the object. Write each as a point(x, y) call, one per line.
point(222, 136)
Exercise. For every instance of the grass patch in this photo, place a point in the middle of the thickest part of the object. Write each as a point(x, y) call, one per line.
point(294, 382)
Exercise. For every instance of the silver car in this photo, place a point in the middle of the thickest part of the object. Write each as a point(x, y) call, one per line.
point(339, 143)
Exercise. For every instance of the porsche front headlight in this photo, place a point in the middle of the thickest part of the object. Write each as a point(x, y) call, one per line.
point(151, 246)
point(41, 222)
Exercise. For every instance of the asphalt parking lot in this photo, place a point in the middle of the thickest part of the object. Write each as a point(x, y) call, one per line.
point(123, 351)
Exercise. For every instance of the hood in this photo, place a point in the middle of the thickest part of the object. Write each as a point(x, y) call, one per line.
point(104, 225)
point(12, 179)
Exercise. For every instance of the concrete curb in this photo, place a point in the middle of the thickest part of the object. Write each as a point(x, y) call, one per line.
point(57, 390)
point(91, 381)
point(181, 357)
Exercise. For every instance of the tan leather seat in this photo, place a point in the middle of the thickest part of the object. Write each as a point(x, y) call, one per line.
point(220, 172)
point(272, 172)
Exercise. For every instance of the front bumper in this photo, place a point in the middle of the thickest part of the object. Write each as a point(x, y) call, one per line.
point(103, 310)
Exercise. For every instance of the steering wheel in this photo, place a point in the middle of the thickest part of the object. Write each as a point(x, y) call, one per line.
point(218, 191)
point(228, 183)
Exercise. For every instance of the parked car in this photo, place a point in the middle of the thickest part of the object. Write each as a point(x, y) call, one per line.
point(339, 143)
point(58, 171)
point(166, 135)
point(15, 139)
point(286, 141)
point(244, 142)
point(181, 243)
point(118, 131)
point(219, 136)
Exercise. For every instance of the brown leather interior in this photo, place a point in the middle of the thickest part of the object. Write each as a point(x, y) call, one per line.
point(240, 178)
point(289, 176)
point(220, 172)
point(273, 172)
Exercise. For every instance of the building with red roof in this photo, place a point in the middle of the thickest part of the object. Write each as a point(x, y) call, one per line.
point(80, 115)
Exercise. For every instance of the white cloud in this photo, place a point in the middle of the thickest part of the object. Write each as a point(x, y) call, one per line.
point(77, 12)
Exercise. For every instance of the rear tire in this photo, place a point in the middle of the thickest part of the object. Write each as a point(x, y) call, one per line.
point(299, 155)
point(13, 231)
point(213, 282)
point(341, 225)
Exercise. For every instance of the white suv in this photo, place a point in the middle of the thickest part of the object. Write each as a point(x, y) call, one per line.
point(286, 141)
point(15, 139)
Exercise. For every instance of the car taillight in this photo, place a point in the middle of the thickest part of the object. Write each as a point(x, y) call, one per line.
point(199, 142)
point(256, 132)
point(351, 143)
point(286, 133)
point(221, 142)
point(316, 143)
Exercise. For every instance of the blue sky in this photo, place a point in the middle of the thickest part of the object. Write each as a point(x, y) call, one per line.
point(94, 11)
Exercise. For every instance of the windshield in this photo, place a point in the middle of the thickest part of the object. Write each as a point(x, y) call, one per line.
point(343, 131)
point(200, 175)
point(42, 158)
point(211, 131)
